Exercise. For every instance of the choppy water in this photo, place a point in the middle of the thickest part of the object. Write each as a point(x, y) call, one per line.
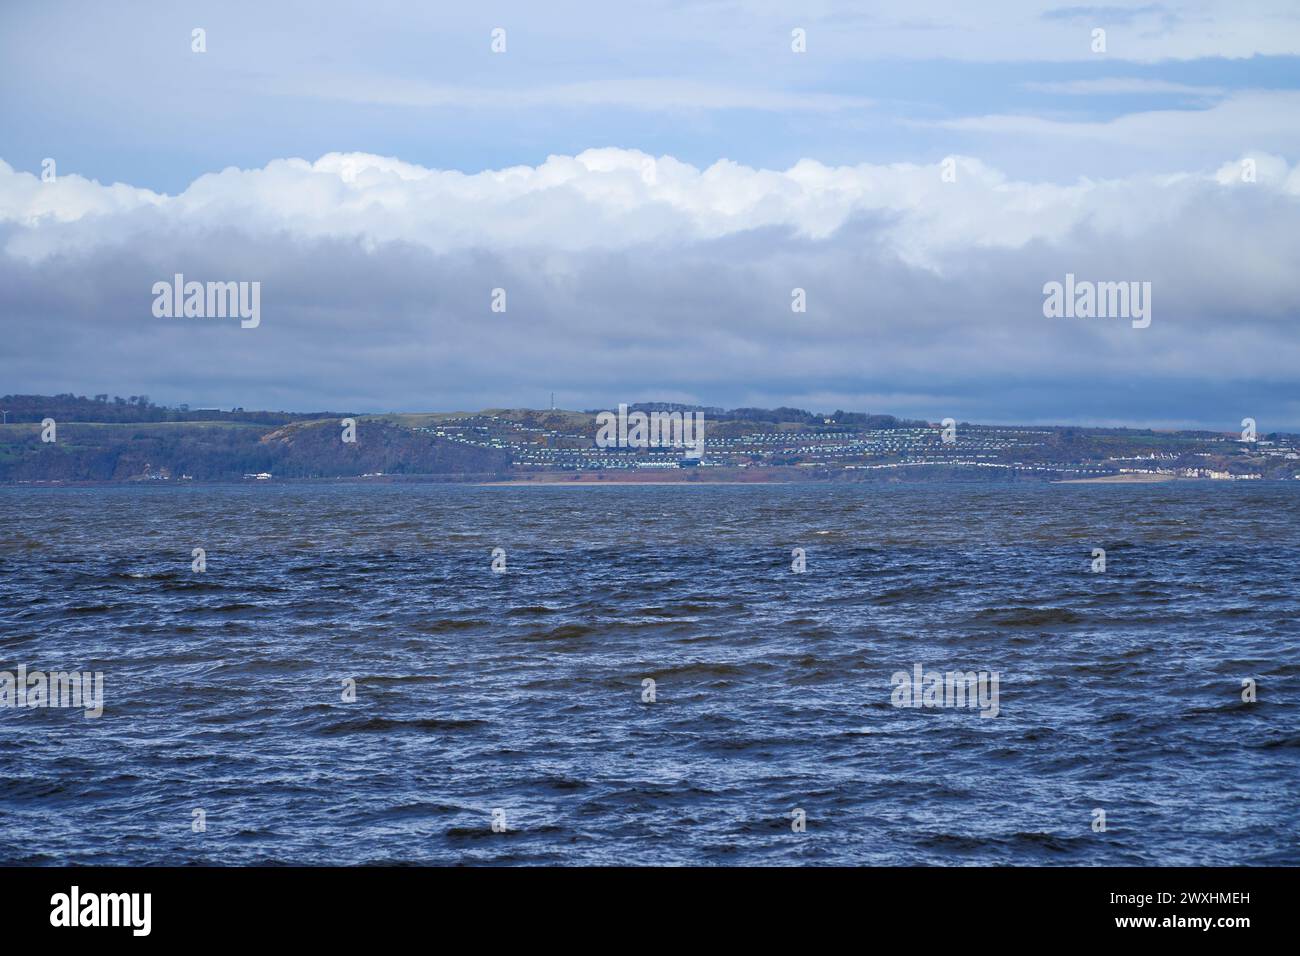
point(522, 691)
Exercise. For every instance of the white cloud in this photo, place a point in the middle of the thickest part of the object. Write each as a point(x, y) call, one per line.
point(648, 93)
point(606, 199)
point(1123, 85)
point(1246, 119)
point(637, 276)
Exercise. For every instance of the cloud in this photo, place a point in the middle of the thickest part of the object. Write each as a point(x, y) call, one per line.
point(88, 83)
point(644, 94)
point(1124, 85)
point(633, 277)
point(1165, 139)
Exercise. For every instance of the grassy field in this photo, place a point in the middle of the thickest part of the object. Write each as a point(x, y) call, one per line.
point(427, 419)
point(34, 428)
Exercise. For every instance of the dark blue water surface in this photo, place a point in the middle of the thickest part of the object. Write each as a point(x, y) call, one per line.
point(522, 691)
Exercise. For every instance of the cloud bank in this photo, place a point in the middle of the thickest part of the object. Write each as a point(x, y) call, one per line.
point(633, 277)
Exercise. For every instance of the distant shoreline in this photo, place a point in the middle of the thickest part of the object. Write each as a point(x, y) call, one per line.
point(607, 482)
point(625, 482)
point(124, 441)
point(1129, 479)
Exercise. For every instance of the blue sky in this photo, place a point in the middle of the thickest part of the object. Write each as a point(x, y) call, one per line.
point(772, 170)
point(118, 92)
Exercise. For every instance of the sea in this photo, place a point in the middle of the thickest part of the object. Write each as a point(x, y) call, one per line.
point(359, 673)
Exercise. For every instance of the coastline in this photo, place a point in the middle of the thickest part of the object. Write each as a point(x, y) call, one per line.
point(479, 482)
point(1131, 479)
point(634, 483)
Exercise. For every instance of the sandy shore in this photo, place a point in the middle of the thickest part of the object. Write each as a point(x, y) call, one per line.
point(1118, 480)
point(619, 484)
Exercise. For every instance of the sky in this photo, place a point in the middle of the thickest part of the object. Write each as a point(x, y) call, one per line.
point(649, 183)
